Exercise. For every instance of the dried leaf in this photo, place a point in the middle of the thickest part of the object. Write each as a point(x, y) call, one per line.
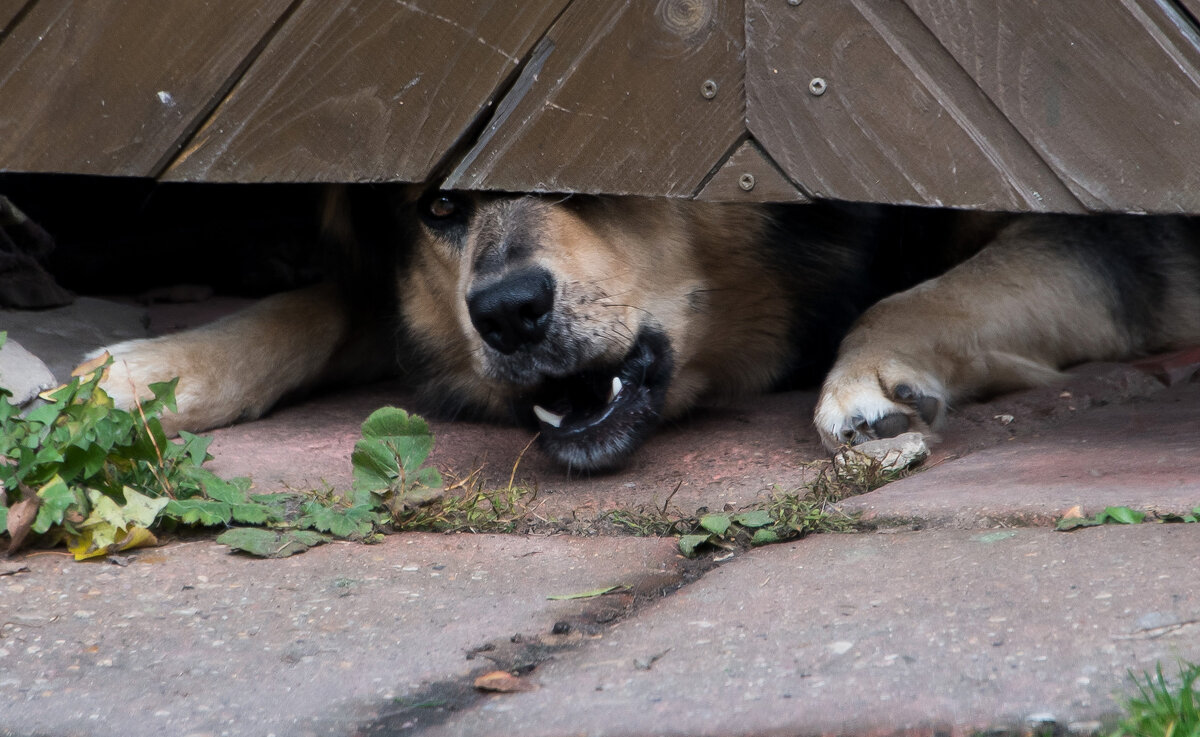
point(102, 540)
point(501, 681)
point(88, 367)
point(20, 519)
point(590, 594)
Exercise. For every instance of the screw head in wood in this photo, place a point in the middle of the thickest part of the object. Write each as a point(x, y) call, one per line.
point(709, 89)
point(746, 181)
point(818, 86)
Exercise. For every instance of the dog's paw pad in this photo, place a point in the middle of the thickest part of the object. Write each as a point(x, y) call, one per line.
point(889, 426)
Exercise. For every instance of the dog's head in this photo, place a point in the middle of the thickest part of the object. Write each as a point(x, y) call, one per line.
point(592, 317)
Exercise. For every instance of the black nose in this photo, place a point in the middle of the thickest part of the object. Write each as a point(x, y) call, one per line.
point(515, 311)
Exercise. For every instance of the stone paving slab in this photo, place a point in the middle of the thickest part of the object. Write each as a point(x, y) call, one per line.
point(878, 634)
point(190, 639)
point(1110, 435)
point(61, 336)
point(1143, 454)
point(721, 456)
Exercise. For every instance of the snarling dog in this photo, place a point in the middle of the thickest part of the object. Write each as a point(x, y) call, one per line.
point(594, 318)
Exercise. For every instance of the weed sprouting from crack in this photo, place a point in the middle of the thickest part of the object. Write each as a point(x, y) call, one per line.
point(783, 515)
point(1161, 708)
point(468, 506)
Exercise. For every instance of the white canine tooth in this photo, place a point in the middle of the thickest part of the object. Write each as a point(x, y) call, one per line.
point(617, 386)
point(547, 416)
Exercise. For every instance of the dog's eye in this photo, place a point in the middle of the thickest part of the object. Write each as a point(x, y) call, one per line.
point(441, 207)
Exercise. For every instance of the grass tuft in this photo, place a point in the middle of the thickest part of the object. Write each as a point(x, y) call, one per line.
point(1160, 709)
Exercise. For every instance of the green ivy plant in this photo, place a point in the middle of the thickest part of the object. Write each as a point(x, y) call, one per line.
point(77, 469)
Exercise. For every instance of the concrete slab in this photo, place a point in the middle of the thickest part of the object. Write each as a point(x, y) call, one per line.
point(61, 336)
point(1144, 454)
point(877, 634)
point(189, 639)
point(721, 456)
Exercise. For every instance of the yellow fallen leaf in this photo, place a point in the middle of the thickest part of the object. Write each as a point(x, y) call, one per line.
point(501, 681)
point(102, 539)
point(85, 370)
point(88, 367)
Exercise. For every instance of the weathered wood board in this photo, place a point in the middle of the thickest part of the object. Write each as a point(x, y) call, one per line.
point(353, 91)
point(749, 175)
point(1108, 93)
point(115, 86)
point(623, 98)
point(870, 107)
point(8, 11)
point(992, 104)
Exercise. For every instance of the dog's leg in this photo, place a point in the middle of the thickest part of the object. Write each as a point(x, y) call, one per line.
point(237, 367)
point(1047, 293)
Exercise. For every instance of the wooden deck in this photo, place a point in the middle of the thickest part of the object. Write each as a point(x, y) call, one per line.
point(1069, 105)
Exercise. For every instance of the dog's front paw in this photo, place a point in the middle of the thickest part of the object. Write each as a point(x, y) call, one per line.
point(865, 400)
point(137, 364)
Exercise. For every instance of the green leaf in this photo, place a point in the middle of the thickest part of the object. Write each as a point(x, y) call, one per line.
point(164, 397)
point(1122, 515)
point(375, 466)
point(389, 422)
point(764, 537)
point(689, 543)
point(195, 447)
point(270, 543)
point(352, 522)
point(218, 489)
point(717, 524)
point(57, 497)
point(387, 460)
point(140, 509)
point(754, 518)
point(253, 514)
point(1067, 524)
point(199, 512)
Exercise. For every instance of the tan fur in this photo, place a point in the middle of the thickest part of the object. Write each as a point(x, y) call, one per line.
point(235, 368)
point(1008, 318)
point(677, 261)
point(702, 276)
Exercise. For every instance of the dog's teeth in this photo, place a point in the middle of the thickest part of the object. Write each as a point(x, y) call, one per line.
point(617, 386)
point(547, 416)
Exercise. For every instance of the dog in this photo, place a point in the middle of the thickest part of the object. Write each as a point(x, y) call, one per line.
point(594, 319)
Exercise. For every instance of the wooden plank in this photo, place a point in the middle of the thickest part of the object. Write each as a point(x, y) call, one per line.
point(1108, 93)
point(749, 175)
point(892, 117)
point(8, 11)
point(352, 91)
point(621, 98)
point(113, 86)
